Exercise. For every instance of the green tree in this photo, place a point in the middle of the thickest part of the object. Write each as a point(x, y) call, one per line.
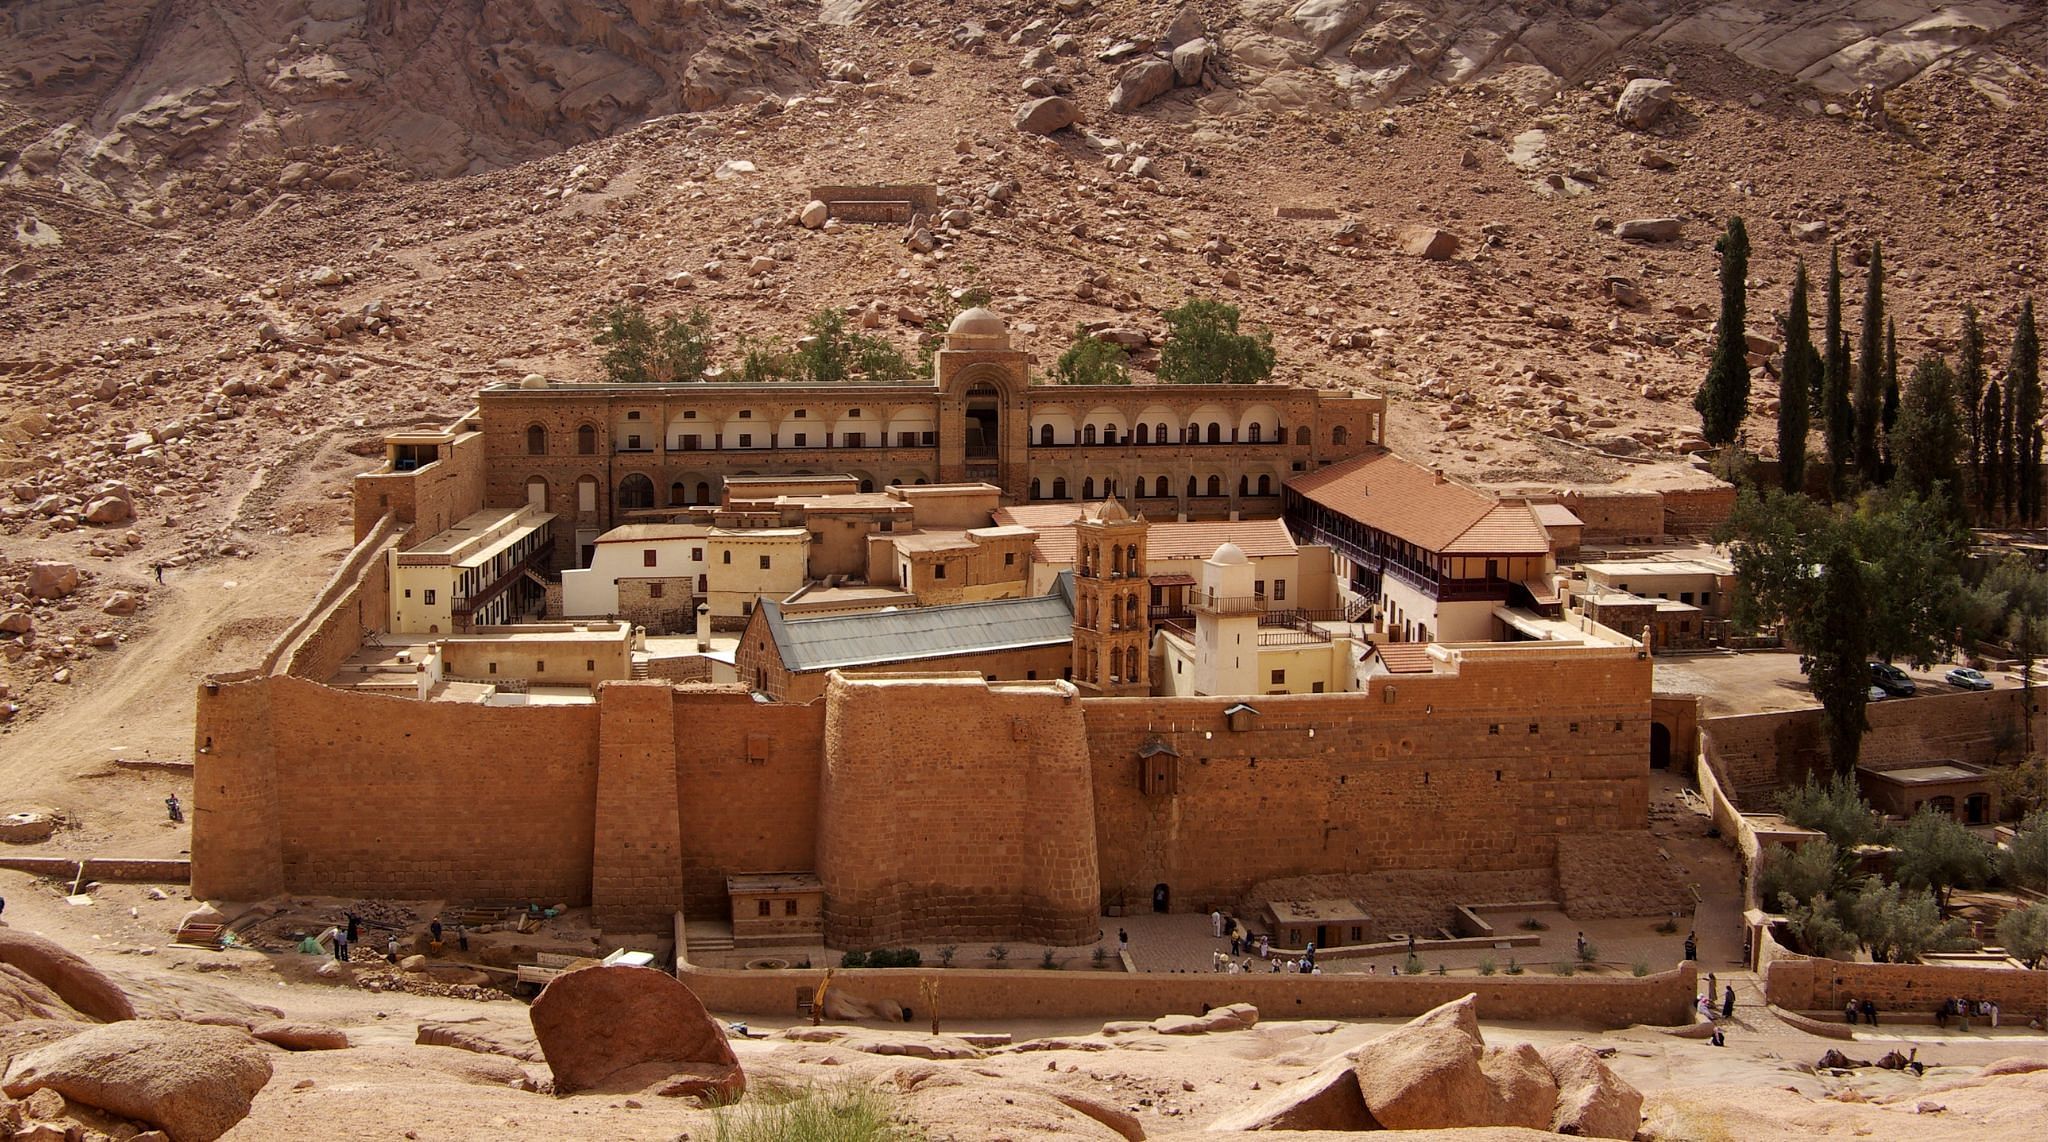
point(1835, 654)
point(1837, 413)
point(1817, 926)
point(1090, 360)
point(1912, 551)
point(1204, 347)
point(1931, 439)
point(1899, 923)
point(1835, 807)
point(627, 337)
point(762, 361)
point(1770, 537)
point(2025, 859)
point(1816, 868)
point(1803, 376)
point(1723, 399)
point(1889, 416)
point(1870, 370)
point(1991, 469)
point(2023, 395)
point(2023, 933)
point(1939, 854)
point(830, 353)
point(1970, 393)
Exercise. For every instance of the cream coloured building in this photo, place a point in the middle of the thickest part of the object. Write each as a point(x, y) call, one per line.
point(483, 571)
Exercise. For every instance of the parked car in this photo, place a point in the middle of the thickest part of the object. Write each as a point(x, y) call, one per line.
point(1877, 694)
point(1892, 680)
point(1964, 678)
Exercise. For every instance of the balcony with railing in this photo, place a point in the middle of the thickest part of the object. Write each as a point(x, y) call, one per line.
point(1228, 604)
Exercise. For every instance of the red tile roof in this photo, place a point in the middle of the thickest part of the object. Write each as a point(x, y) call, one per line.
point(1196, 539)
point(1423, 507)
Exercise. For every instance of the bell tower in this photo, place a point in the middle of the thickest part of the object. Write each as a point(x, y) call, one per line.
point(1112, 650)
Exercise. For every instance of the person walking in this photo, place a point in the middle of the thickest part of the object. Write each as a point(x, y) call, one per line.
point(1692, 946)
point(1123, 941)
point(434, 927)
point(1581, 951)
point(176, 810)
point(1728, 1001)
point(1713, 984)
point(1991, 1009)
point(1216, 923)
point(355, 927)
point(391, 948)
point(340, 946)
point(461, 937)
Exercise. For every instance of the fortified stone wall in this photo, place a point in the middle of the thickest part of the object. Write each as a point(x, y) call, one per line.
point(1616, 514)
point(1483, 771)
point(1799, 983)
point(748, 777)
point(955, 808)
point(428, 498)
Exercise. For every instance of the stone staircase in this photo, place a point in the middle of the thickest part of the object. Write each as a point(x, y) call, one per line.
point(640, 668)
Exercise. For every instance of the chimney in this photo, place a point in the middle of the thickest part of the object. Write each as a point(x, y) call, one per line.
point(1438, 473)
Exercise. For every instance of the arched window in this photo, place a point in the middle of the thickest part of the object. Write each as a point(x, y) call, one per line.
point(703, 492)
point(1159, 432)
point(1131, 558)
point(536, 440)
point(1116, 663)
point(1301, 436)
point(1244, 486)
point(1131, 615)
point(636, 493)
point(1215, 432)
point(678, 494)
point(537, 492)
point(586, 440)
point(1159, 487)
point(867, 486)
point(1059, 487)
point(1144, 431)
point(1265, 485)
point(1338, 435)
point(1088, 488)
point(1036, 489)
point(1108, 487)
point(1255, 430)
point(1192, 492)
point(1116, 559)
point(1215, 482)
point(1087, 434)
point(1109, 434)
point(1045, 434)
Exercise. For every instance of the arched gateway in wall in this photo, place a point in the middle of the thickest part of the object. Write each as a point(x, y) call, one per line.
point(983, 418)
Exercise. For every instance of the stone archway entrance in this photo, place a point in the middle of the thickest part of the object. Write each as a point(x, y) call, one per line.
point(1660, 746)
point(983, 424)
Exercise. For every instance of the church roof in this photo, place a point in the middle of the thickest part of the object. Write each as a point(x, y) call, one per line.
point(879, 638)
point(1423, 507)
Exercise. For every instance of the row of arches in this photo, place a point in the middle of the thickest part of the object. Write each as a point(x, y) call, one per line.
point(1088, 488)
point(1048, 435)
point(918, 432)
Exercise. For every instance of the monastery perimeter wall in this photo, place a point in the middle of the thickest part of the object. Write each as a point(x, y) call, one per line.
point(1800, 983)
point(1478, 772)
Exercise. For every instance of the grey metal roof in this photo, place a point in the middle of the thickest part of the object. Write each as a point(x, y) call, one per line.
point(880, 637)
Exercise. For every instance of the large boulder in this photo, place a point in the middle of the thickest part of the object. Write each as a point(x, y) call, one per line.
point(1650, 229)
point(1592, 1101)
point(1141, 83)
point(1523, 1092)
point(1189, 59)
point(1044, 116)
point(301, 1036)
point(1643, 102)
point(195, 1082)
point(1425, 1074)
point(633, 1026)
point(79, 984)
point(49, 580)
point(1429, 243)
point(1328, 1099)
point(24, 997)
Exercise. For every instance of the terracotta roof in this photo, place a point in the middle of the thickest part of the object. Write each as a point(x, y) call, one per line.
point(1556, 515)
point(1423, 507)
point(1405, 657)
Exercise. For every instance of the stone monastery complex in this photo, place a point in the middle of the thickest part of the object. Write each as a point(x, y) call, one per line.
point(965, 658)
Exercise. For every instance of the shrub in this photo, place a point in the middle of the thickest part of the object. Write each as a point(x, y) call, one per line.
point(1046, 962)
point(1589, 953)
point(947, 953)
point(1564, 968)
point(999, 952)
point(1101, 955)
point(1486, 965)
point(811, 1114)
point(1640, 968)
point(1532, 924)
point(1089, 360)
point(1413, 966)
point(641, 351)
point(1513, 967)
point(1668, 926)
point(895, 958)
point(830, 353)
point(854, 960)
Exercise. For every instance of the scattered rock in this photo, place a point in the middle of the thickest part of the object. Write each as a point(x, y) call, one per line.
point(1522, 1089)
point(814, 214)
point(118, 603)
point(48, 580)
point(1643, 102)
point(1429, 243)
point(301, 1036)
point(1425, 1074)
point(195, 1082)
point(1650, 229)
point(78, 983)
point(615, 1024)
point(1141, 83)
point(1328, 1099)
point(1592, 1101)
point(1044, 116)
point(1188, 61)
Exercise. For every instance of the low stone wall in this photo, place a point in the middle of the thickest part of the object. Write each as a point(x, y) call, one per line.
point(1802, 983)
point(1665, 999)
point(138, 871)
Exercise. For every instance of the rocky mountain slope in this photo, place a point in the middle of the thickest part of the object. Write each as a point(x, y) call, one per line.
point(240, 239)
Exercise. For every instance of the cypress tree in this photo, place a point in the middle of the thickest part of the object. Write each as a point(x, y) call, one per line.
point(1991, 470)
point(1795, 388)
point(1870, 369)
point(1889, 418)
point(2023, 412)
point(1723, 399)
point(1838, 422)
point(1928, 442)
point(1970, 385)
point(1838, 652)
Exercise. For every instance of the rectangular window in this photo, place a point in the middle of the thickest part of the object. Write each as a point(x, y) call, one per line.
point(654, 590)
point(927, 438)
point(1009, 559)
point(696, 555)
point(1279, 677)
point(747, 608)
point(764, 563)
point(800, 414)
point(856, 440)
point(1685, 596)
point(690, 415)
point(1315, 688)
point(430, 598)
point(853, 412)
point(540, 666)
point(746, 414)
point(590, 665)
point(633, 416)
point(647, 557)
point(493, 668)
point(766, 909)
point(408, 592)
point(746, 440)
point(703, 583)
point(802, 439)
point(1258, 586)
point(938, 570)
point(1706, 598)
point(692, 442)
point(1279, 590)
point(789, 908)
point(632, 440)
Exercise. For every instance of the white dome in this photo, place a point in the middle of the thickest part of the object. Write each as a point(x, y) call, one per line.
point(1229, 553)
point(979, 322)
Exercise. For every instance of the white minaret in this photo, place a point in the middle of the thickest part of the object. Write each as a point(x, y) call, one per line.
point(1226, 625)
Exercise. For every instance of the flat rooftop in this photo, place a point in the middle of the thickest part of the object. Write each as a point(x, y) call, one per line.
point(1313, 911)
point(1926, 774)
point(551, 632)
point(476, 537)
point(756, 882)
point(1639, 568)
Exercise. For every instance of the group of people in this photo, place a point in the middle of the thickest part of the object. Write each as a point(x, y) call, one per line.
point(1866, 1009)
point(1244, 945)
point(349, 932)
point(1961, 1008)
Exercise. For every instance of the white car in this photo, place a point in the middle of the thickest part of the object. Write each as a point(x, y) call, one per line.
point(1964, 678)
point(1877, 694)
